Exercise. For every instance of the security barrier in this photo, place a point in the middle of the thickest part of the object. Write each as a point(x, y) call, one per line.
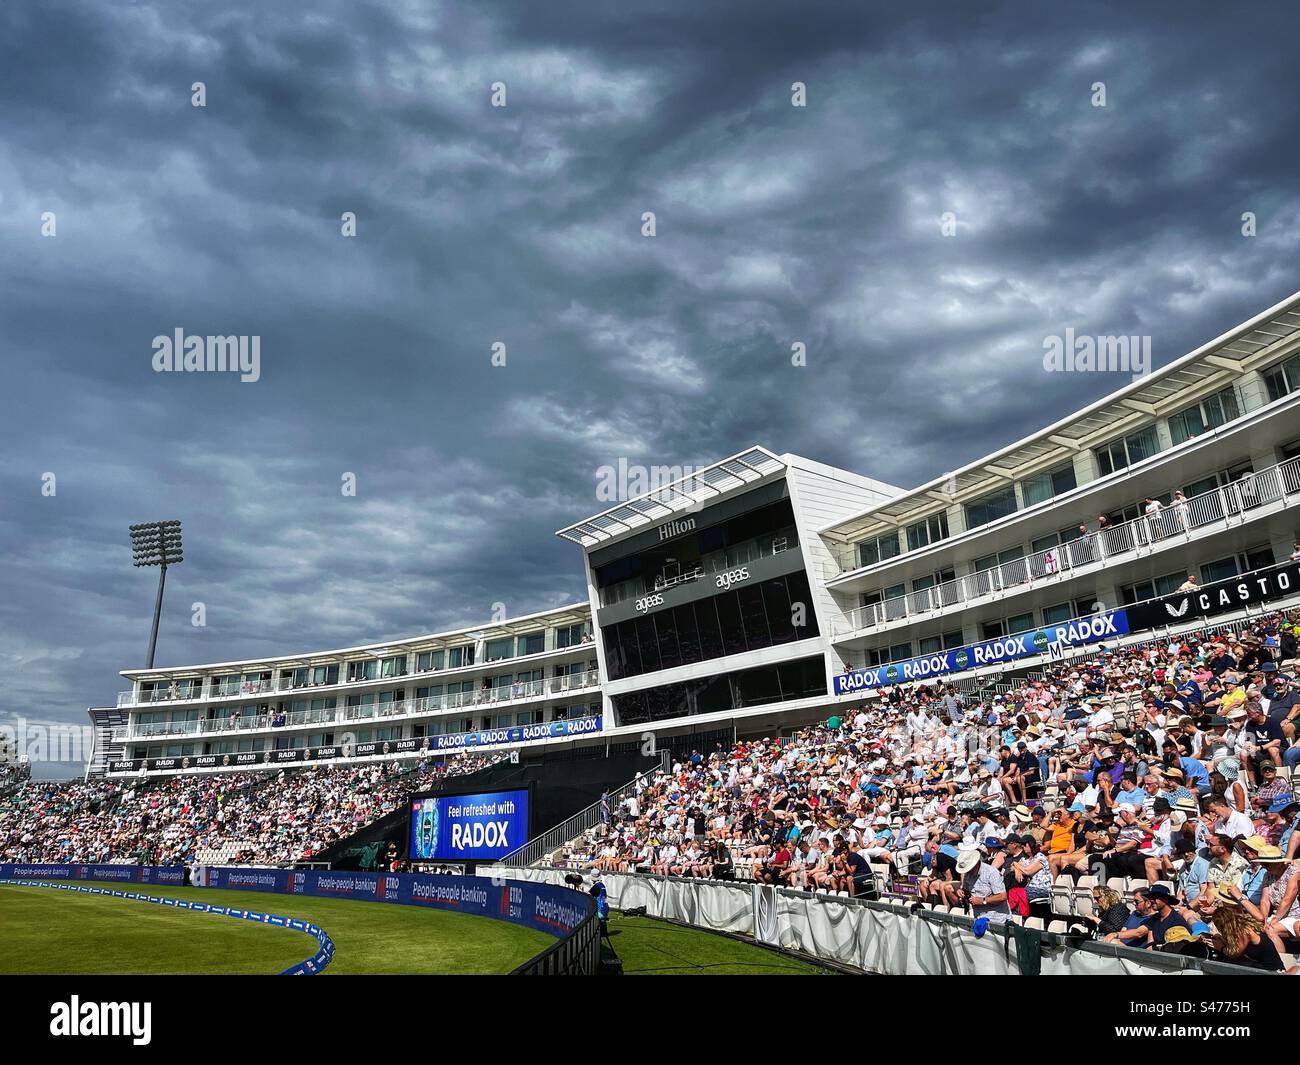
point(896, 939)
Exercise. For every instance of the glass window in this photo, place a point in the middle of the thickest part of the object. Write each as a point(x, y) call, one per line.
point(499, 649)
point(991, 507)
point(1259, 558)
point(670, 654)
point(688, 635)
point(532, 644)
point(733, 630)
point(753, 616)
point(878, 550)
point(1218, 571)
point(365, 669)
point(1209, 413)
point(393, 667)
point(648, 640)
point(1020, 622)
point(570, 635)
point(927, 531)
point(458, 657)
point(1282, 379)
point(1136, 593)
point(1046, 485)
point(1142, 444)
point(427, 661)
point(1054, 615)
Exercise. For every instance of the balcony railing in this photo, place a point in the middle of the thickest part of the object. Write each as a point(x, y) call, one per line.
point(398, 708)
point(846, 558)
point(180, 691)
point(1220, 508)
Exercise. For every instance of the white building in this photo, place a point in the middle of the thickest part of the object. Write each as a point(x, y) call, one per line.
point(764, 589)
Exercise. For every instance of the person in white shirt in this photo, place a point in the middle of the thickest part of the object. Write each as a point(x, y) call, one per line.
point(1229, 820)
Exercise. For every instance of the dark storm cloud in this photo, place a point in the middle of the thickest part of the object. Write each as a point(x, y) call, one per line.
point(522, 225)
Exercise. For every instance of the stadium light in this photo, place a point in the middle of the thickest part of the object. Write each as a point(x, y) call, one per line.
point(156, 543)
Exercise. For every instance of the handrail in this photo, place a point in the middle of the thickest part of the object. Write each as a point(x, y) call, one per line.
point(522, 691)
point(197, 689)
point(1174, 524)
point(580, 822)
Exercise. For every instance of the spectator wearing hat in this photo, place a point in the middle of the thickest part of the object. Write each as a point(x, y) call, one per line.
point(1163, 918)
point(1028, 868)
point(1135, 932)
point(982, 889)
point(1278, 909)
point(1272, 788)
point(1124, 857)
point(1285, 811)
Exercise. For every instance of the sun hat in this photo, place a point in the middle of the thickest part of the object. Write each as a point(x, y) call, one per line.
point(968, 861)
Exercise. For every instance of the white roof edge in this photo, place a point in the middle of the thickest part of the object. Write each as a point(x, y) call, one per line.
point(801, 462)
point(694, 476)
point(584, 607)
point(1183, 360)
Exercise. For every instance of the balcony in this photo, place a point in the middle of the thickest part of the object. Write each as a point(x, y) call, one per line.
point(1252, 497)
point(397, 710)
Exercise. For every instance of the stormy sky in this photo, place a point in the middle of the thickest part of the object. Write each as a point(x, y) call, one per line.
point(523, 225)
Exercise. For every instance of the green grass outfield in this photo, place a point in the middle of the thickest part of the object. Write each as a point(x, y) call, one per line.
point(47, 931)
point(649, 947)
point(44, 931)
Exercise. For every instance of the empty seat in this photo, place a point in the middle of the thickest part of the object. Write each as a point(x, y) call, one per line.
point(1059, 927)
point(1063, 896)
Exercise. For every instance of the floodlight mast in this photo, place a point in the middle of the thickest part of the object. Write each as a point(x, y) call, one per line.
point(156, 543)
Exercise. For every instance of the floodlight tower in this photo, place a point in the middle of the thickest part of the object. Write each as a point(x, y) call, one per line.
point(156, 543)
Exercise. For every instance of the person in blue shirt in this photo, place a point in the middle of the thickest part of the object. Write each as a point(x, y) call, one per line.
point(1130, 790)
point(1196, 775)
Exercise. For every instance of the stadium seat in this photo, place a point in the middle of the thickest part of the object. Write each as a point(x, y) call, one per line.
point(1063, 896)
point(1083, 905)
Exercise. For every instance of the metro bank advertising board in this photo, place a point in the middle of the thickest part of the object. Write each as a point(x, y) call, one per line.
point(468, 828)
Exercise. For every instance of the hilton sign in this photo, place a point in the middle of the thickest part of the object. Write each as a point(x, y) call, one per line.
point(676, 528)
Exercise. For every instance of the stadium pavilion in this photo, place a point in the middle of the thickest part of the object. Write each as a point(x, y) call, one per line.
point(758, 592)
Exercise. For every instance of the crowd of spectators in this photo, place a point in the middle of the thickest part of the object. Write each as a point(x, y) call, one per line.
point(1152, 783)
point(242, 818)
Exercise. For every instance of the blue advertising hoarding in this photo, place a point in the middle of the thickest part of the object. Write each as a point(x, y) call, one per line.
point(546, 907)
point(1107, 625)
point(135, 874)
point(482, 827)
point(546, 730)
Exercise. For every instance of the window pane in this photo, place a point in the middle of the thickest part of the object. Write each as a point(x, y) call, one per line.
point(1142, 444)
